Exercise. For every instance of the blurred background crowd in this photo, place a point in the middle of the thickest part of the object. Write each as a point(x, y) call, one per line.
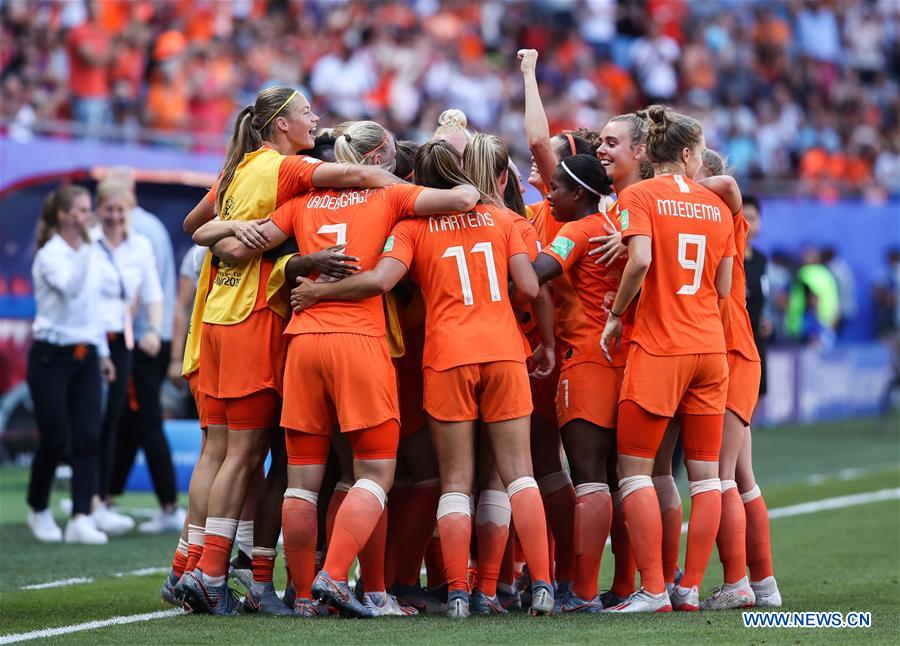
point(802, 95)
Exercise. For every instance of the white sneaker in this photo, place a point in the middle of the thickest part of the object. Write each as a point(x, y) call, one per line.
point(81, 529)
point(766, 593)
point(164, 522)
point(111, 522)
point(44, 527)
point(386, 605)
point(643, 601)
point(65, 506)
point(729, 596)
point(684, 599)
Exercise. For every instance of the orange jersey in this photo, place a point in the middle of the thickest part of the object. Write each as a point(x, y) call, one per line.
point(596, 286)
point(738, 332)
point(530, 238)
point(461, 263)
point(359, 218)
point(568, 316)
point(691, 231)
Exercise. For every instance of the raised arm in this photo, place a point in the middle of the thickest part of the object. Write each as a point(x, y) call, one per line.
point(537, 130)
point(727, 188)
point(375, 282)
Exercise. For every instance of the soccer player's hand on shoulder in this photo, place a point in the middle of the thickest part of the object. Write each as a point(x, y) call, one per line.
point(529, 60)
point(610, 249)
point(303, 295)
point(332, 262)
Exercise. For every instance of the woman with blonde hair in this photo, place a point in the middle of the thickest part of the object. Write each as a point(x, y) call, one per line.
point(67, 358)
point(453, 128)
point(130, 280)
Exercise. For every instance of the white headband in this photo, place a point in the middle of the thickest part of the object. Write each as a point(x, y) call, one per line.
point(573, 176)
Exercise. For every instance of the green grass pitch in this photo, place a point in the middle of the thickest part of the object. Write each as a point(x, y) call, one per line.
point(841, 559)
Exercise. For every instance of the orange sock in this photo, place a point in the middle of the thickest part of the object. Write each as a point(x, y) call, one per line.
point(732, 536)
point(644, 525)
point(340, 492)
point(706, 510)
point(195, 547)
point(263, 564)
point(417, 528)
point(670, 509)
point(455, 529)
point(359, 514)
point(624, 577)
point(560, 499)
point(371, 557)
point(434, 562)
point(507, 574)
point(759, 548)
point(593, 517)
point(217, 543)
point(528, 514)
point(299, 521)
point(180, 558)
point(492, 529)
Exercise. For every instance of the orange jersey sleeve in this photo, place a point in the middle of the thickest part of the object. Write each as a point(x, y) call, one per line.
point(691, 231)
point(529, 234)
point(295, 176)
point(360, 219)
point(211, 193)
point(738, 331)
point(461, 262)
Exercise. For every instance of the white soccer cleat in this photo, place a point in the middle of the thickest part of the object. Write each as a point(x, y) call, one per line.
point(111, 522)
point(685, 599)
point(386, 605)
point(766, 593)
point(44, 527)
point(730, 596)
point(163, 522)
point(643, 601)
point(81, 529)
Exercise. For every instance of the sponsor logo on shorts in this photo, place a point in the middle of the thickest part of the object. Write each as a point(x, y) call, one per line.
point(562, 246)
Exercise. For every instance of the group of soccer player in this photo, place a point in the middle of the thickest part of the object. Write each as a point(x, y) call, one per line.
point(413, 346)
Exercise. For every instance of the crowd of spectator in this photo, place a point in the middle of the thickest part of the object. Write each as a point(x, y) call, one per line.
point(802, 94)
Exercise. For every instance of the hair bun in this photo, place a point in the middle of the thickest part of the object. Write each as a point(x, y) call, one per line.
point(453, 117)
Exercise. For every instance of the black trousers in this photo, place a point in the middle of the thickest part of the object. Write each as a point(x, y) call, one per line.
point(141, 427)
point(116, 398)
point(65, 387)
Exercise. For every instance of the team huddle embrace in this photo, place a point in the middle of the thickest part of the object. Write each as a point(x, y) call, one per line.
point(420, 352)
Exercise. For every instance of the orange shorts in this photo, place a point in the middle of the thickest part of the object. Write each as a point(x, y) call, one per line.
point(543, 391)
point(492, 392)
point(236, 360)
point(376, 443)
point(259, 410)
point(663, 385)
point(743, 386)
point(193, 380)
point(589, 391)
point(347, 379)
point(409, 382)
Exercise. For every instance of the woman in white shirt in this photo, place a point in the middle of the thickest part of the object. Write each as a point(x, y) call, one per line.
point(67, 356)
point(129, 279)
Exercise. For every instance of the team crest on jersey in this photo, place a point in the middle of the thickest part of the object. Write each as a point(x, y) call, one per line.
point(562, 246)
point(623, 218)
point(388, 245)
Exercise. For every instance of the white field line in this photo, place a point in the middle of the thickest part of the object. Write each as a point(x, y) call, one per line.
point(90, 625)
point(61, 583)
point(827, 504)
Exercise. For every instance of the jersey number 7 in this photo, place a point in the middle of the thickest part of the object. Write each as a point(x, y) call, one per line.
point(465, 282)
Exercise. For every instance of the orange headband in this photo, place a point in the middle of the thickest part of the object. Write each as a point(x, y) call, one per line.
point(379, 146)
point(568, 136)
